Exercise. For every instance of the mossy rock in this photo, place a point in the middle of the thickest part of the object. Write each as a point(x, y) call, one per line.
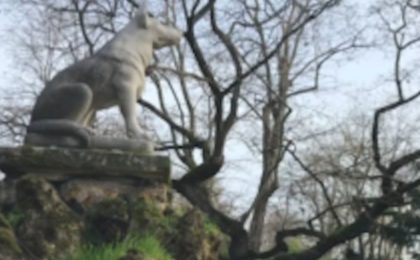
point(107, 222)
point(196, 238)
point(49, 228)
point(187, 235)
point(147, 218)
point(153, 234)
point(113, 219)
point(9, 247)
point(14, 217)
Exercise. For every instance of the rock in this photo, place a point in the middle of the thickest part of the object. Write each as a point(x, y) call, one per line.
point(195, 239)
point(185, 236)
point(9, 247)
point(7, 194)
point(148, 218)
point(107, 222)
point(87, 193)
point(49, 229)
point(114, 219)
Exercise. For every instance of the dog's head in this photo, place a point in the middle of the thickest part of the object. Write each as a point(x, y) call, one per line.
point(161, 33)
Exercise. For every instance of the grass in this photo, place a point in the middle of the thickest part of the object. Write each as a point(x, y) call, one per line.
point(14, 217)
point(211, 228)
point(149, 246)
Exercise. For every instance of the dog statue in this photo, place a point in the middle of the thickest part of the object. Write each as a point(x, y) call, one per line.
point(114, 75)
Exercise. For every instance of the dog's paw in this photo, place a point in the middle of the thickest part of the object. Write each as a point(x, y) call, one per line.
point(90, 130)
point(138, 135)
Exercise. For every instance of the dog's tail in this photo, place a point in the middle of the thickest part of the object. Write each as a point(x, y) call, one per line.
point(43, 131)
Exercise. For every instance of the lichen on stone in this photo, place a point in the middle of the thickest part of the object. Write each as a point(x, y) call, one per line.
point(50, 229)
point(107, 222)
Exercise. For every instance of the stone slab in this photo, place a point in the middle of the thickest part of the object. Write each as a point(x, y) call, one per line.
point(69, 163)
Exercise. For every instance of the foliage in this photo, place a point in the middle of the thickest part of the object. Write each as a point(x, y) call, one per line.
point(14, 217)
point(148, 245)
point(9, 246)
point(295, 245)
point(211, 228)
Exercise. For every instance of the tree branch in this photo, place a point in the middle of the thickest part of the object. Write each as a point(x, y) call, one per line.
point(273, 52)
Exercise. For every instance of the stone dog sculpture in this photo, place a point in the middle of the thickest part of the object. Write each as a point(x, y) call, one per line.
point(114, 75)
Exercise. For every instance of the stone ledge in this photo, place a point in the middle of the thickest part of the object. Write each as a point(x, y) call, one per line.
point(68, 163)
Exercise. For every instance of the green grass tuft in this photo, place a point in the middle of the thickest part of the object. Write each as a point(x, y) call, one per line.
point(152, 249)
point(149, 246)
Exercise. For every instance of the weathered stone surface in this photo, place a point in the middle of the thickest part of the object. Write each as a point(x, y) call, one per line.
point(113, 220)
point(86, 193)
point(107, 221)
point(49, 229)
point(65, 163)
point(148, 218)
point(195, 239)
point(9, 248)
point(7, 194)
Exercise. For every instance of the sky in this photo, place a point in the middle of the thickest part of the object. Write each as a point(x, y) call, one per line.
point(6, 23)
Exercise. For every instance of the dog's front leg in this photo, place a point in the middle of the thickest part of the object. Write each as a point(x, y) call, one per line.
point(128, 106)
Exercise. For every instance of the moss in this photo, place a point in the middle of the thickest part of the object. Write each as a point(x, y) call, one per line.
point(295, 245)
point(153, 234)
point(15, 217)
point(107, 222)
point(112, 220)
point(117, 228)
point(4, 223)
point(211, 229)
point(148, 218)
point(8, 242)
point(49, 228)
point(195, 238)
point(114, 208)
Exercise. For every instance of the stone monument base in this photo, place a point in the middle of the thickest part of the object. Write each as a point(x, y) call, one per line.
point(67, 163)
point(86, 177)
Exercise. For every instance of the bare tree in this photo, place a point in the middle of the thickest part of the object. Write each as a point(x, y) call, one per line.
point(340, 171)
point(346, 176)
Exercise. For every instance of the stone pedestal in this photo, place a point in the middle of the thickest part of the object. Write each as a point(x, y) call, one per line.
point(61, 164)
point(86, 177)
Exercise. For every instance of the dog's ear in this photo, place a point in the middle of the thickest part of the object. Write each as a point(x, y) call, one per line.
point(142, 18)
